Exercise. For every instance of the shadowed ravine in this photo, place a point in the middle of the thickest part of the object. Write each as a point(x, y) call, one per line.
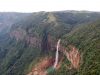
point(44, 43)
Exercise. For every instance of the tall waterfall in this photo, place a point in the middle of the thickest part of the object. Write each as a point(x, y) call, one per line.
point(57, 54)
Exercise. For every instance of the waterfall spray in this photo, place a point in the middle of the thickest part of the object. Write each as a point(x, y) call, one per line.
point(57, 54)
point(53, 68)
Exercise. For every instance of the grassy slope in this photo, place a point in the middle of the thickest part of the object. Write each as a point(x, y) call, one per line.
point(87, 39)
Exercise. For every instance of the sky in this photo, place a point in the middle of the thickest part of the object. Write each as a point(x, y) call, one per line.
point(48, 5)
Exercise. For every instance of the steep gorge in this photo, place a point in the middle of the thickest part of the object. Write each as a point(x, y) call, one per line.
point(40, 31)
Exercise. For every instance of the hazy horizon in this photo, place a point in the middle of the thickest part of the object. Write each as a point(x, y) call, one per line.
point(48, 5)
point(46, 11)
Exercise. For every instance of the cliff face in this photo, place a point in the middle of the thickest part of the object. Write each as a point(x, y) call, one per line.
point(45, 42)
point(41, 35)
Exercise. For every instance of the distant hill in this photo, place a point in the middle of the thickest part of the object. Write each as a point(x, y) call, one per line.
point(8, 18)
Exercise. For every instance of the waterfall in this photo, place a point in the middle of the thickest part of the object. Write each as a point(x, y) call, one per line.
point(57, 54)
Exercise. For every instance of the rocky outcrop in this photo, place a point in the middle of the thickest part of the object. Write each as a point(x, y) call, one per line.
point(73, 56)
point(21, 35)
point(40, 68)
point(33, 41)
point(18, 34)
point(52, 42)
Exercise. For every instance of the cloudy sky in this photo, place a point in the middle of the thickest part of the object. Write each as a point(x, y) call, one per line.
point(48, 5)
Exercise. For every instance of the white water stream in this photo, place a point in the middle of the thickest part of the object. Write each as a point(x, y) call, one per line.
point(57, 54)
